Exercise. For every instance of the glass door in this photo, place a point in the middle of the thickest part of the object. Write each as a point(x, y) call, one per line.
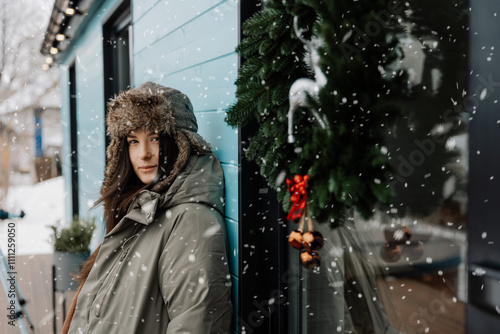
point(404, 270)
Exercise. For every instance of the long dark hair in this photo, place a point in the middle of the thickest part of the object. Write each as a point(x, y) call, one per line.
point(124, 186)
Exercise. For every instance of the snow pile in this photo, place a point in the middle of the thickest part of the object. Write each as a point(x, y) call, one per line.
point(43, 204)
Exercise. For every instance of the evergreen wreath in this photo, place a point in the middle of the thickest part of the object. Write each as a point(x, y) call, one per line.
point(347, 163)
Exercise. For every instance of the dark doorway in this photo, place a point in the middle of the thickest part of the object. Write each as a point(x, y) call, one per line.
point(74, 140)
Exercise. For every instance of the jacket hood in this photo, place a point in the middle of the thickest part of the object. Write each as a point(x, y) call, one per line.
point(153, 107)
point(201, 181)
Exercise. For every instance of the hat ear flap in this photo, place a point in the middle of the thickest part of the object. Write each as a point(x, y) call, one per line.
point(112, 154)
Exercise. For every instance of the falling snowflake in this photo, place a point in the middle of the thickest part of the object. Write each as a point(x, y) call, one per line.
point(478, 272)
point(191, 258)
point(398, 234)
point(212, 230)
point(483, 94)
point(280, 178)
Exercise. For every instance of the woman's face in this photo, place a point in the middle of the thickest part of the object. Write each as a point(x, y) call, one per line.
point(144, 150)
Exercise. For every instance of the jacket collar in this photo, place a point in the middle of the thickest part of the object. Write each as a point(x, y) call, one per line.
point(142, 210)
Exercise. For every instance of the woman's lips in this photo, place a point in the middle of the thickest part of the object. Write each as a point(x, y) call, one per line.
point(147, 168)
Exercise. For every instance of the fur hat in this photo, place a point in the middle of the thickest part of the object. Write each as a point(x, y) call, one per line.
point(152, 107)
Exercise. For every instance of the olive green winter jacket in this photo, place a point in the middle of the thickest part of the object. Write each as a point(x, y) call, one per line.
point(163, 268)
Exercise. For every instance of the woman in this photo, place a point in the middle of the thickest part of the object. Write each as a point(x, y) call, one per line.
point(162, 266)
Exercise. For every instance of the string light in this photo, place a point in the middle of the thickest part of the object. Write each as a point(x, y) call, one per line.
point(53, 50)
point(72, 11)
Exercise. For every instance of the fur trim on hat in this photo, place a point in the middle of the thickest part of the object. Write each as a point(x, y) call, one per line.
point(155, 108)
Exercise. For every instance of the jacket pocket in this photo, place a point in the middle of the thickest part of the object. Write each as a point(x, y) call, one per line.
point(110, 281)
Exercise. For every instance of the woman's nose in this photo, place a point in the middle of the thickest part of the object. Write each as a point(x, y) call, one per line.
point(146, 152)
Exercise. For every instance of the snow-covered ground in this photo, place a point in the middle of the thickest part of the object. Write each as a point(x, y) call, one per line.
point(43, 204)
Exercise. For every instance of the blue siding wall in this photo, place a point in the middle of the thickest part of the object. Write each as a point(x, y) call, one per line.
point(190, 45)
point(90, 120)
point(86, 53)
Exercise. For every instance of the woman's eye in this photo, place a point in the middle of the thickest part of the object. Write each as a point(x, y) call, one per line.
point(132, 141)
point(155, 139)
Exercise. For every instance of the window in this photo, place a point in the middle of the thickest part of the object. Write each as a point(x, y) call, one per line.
point(117, 50)
point(73, 139)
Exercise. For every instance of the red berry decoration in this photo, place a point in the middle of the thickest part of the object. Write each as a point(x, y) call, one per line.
point(310, 260)
point(312, 240)
point(390, 253)
point(297, 188)
point(295, 239)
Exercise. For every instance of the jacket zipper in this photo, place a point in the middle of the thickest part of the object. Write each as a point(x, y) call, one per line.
point(115, 270)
